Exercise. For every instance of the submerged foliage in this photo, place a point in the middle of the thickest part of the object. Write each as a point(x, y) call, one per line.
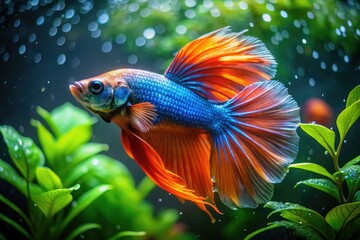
point(71, 188)
point(343, 221)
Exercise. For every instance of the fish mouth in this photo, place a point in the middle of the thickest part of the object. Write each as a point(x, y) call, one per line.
point(76, 89)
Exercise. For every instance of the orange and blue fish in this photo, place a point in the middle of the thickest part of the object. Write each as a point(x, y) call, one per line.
point(213, 122)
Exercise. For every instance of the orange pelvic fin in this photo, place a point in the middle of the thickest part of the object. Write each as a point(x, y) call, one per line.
point(221, 63)
point(173, 167)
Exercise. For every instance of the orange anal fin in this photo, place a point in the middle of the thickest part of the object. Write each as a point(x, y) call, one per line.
point(151, 163)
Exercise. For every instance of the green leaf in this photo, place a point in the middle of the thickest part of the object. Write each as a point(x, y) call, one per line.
point(352, 162)
point(145, 186)
point(354, 96)
point(67, 116)
point(9, 174)
point(347, 118)
point(84, 201)
point(52, 202)
point(340, 215)
point(352, 177)
point(313, 167)
point(324, 136)
point(81, 229)
point(86, 151)
point(23, 151)
point(48, 119)
point(324, 185)
point(357, 196)
point(48, 179)
point(15, 225)
point(47, 141)
point(299, 230)
point(302, 215)
point(74, 138)
point(127, 234)
point(15, 208)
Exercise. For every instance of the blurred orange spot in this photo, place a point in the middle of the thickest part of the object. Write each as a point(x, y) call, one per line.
point(318, 111)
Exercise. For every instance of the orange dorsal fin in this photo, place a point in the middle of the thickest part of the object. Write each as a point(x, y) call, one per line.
point(141, 116)
point(161, 163)
point(221, 63)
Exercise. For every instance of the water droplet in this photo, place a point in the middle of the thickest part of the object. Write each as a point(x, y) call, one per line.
point(52, 31)
point(266, 17)
point(103, 17)
point(6, 57)
point(69, 13)
point(75, 62)
point(120, 39)
point(243, 5)
point(149, 33)
point(32, 37)
point(37, 57)
point(132, 59)
point(215, 12)
point(106, 47)
point(311, 82)
point(22, 49)
point(190, 13)
point(181, 29)
point(190, 3)
point(61, 59)
point(17, 23)
point(334, 67)
point(16, 38)
point(60, 41)
point(96, 33)
point(57, 22)
point(315, 54)
point(283, 14)
point(66, 27)
point(140, 41)
point(40, 20)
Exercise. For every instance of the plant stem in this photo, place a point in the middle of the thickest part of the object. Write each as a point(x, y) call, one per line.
point(337, 169)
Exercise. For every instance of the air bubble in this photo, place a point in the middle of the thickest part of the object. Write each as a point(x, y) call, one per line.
point(16, 38)
point(32, 37)
point(37, 58)
point(160, 200)
point(6, 57)
point(96, 33)
point(61, 59)
point(266, 17)
point(60, 41)
point(93, 26)
point(215, 12)
point(181, 29)
point(40, 20)
point(75, 62)
point(190, 13)
point(312, 82)
point(17, 23)
point(243, 5)
point(334, 67)
point(283, 14)
point(315, 54)
point(69, 13)
point(106, 47)
point(140, 41)
point(132, 59)
point(149, 33)
point(22, 49)
point(120, 39)
point(52, 31)
point(43, 89)
point(66, 27)
point(103, 17)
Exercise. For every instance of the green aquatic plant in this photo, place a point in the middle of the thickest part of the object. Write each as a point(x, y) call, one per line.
point(108, 204)
point(342, 221)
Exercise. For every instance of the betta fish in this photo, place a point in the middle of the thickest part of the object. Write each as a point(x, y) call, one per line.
point(213, 122)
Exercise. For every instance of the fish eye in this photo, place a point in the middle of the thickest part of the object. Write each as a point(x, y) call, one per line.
point(96, 87)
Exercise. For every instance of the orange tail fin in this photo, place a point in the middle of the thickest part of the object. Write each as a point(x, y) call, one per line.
point(254, 148)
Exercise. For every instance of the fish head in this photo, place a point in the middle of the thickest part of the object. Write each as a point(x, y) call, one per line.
point(105, 95)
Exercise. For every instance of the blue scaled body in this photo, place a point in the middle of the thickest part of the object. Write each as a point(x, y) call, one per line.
point(175, 104)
